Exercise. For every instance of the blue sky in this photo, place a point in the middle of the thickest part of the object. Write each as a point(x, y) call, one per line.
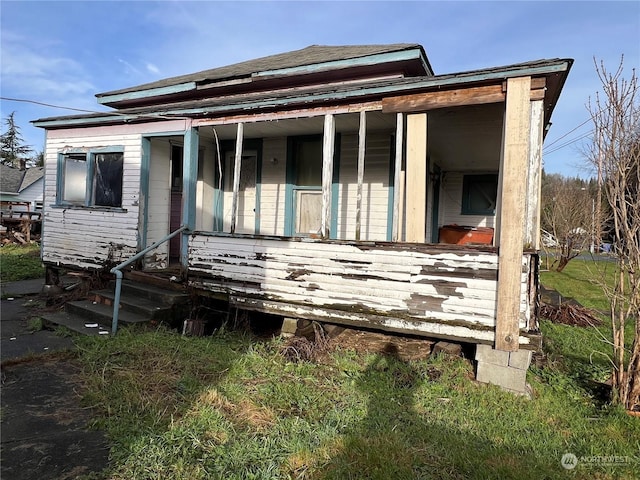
point(63, 53)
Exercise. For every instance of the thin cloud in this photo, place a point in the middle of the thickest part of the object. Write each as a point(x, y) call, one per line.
point(152, 68)
point(28, 71)
point(129, 68)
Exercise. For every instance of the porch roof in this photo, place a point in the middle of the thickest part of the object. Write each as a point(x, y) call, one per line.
point(555, 71)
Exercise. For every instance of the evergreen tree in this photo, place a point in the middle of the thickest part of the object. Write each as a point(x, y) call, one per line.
point(13, 150)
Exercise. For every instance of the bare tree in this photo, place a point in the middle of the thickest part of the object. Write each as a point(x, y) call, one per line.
point(566, 214)
point(615, 154)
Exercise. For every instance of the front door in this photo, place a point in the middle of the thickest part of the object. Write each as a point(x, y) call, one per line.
point(304, 175)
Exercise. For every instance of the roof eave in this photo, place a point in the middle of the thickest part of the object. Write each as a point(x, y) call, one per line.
point(557, 66)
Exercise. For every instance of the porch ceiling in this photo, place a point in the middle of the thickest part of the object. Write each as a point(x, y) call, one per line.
point(462, 138)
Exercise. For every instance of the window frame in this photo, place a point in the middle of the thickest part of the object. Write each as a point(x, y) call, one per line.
point(90, 181)
point(468, 181)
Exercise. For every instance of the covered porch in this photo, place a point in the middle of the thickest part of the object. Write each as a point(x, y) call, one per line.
point(335, 213)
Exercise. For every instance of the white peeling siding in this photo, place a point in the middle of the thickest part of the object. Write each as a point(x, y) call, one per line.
point(375, 188)
point(272, 194)
point(427, 288)
point(88, 238)
point(205, 189)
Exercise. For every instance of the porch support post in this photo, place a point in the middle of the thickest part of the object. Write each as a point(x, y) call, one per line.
point(416, 178)
point(534, 177)
point(397, 188)
point(236, 176)
point(361, 149)
point(189, 184)
point(327, 172)
point(512, 188)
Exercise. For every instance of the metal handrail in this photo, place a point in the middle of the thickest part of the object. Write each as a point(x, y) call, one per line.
point(117, 271)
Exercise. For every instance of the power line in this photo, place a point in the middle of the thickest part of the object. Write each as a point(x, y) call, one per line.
point(35, 102)
point(115, 114)
point(567, 143)
point(569, 132)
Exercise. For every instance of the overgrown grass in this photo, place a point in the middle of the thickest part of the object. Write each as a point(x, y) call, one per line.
point(231, 407)
point(19, 262)
point(583, 280)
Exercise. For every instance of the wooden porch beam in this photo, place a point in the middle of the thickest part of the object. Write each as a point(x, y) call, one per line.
point(361, 150)
point(236, 176)
point(512, 188)
point(416, 178)
point(395, 232)
point(291, 114)
point(327, 172)
point(422, 102)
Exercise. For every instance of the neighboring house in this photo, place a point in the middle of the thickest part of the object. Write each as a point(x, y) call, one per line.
point(318, 184)
point(21, 189)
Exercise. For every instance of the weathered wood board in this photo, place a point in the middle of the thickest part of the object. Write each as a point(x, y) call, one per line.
point(433, 290)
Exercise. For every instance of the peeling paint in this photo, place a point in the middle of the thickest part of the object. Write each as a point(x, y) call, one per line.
point(422, 289)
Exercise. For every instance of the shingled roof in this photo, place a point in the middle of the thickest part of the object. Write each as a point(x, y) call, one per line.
point(14, 180)
point(311, 55)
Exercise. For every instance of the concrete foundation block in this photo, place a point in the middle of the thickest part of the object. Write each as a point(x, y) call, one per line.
point(508, 378)
point(488, 354)
point(289, 326)
point(520, 359)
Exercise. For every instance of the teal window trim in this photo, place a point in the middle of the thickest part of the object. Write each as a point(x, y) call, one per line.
point(90, 157)
point(60, 177)
point(483, 184)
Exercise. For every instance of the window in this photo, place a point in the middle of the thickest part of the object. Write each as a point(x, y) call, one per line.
point(91, 179)
point(479, 194)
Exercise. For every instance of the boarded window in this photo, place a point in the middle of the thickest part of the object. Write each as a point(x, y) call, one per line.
point(308, 212)
point(479, 194)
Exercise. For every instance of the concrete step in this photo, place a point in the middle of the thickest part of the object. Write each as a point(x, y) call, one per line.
point(103, 314)
point(150, 309)
point(150, 292)
point(76, 323)
point(139, 303)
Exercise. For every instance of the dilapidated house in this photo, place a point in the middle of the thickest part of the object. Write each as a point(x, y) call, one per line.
point(349, 185)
